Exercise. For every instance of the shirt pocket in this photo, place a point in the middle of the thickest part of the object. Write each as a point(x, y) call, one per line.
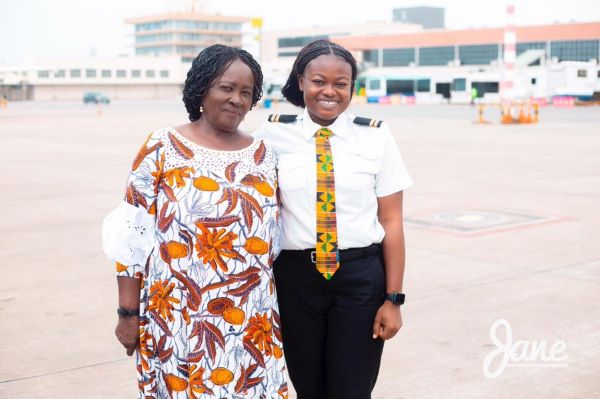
point(356, 171)
point(291, 171)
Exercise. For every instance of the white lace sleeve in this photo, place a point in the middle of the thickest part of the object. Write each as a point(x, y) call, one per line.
point(128, 234)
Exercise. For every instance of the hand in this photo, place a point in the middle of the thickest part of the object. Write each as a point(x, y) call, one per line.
point(388, 321)
point(127, 332)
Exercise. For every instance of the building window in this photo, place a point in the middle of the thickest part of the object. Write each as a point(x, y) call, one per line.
point(533, 81)
point(436, 55)
point(90, 73)
point(153, 26)
point(423, 85)
point(75, 73)
point(459, 84)
point(59, 73)
point(299, 41)
point(398, 56)
point(164, 73)
point(482, 54)
point(400, 86)
point(574, 50)
point(287, 53)
point(106, 73)
point(581, 73)
point(121, 73)
point(598, 74)
point(523, 47)
point(43, 74)
point(136, 73)
point(150, 73)
point(371, 56)
point(374, 84)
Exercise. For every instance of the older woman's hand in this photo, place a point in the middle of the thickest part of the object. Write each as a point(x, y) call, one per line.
point(127, 333)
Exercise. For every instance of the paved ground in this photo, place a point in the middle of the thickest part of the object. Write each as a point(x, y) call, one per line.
point(503, 223)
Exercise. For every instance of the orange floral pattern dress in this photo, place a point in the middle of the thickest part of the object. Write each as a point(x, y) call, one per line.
point(206, 222)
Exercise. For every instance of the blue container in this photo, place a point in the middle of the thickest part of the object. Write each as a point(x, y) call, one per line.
point(268, 102)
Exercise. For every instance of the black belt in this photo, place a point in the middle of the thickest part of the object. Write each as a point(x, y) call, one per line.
point(345, 254)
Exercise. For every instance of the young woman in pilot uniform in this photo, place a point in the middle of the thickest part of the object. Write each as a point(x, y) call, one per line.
point(339, 274)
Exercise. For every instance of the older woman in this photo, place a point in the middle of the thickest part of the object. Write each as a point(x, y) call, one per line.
point(339, 275)
point(192, 242)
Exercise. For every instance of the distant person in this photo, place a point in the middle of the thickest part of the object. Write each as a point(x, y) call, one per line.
point(474, 94)
point(192, 241)
point(340, 272)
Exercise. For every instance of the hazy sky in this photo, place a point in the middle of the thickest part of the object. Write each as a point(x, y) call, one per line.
point(83, 27)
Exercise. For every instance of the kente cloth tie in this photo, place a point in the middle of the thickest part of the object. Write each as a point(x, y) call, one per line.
point(326, 248)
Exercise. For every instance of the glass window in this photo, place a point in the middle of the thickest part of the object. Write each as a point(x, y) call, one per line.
point(121, 73)
point(374, 84)
point(136, 73)
point(575, 50)
point(459, 84)
point(43, 74)
point(287, 53)
point(164, 73)
point(423, 85)
point(106, 73)
point(150, 73)
point(398, 56)
point(75, 73)
point(371, 56)
point(436, 55)
point(400, 86)
point(522, 47)
point(90, 73)
point(59, 73)
point(299, 41)
point(581, 73)
point(533, 81)
point(478, 54)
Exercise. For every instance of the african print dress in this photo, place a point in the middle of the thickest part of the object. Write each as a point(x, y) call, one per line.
point(198, 227)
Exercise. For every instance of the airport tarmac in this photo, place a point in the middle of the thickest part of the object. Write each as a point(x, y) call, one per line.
point(503, 223)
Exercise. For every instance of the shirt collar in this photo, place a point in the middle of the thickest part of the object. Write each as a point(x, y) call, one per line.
point(339, 127)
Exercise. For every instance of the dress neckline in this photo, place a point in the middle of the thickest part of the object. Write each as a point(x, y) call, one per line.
point(192, 144)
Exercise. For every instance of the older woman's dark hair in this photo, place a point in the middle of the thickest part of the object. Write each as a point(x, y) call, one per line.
point(210, 65)
point(291, 89)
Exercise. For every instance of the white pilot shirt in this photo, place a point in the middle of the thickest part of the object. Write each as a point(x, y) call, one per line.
point(367, 164)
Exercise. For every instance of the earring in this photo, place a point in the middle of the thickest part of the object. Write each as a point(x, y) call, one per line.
point(201, 109)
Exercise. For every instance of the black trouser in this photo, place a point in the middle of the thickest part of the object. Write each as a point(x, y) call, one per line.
point(327, 326)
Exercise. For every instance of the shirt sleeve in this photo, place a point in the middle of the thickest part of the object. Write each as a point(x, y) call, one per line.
point(128, 232)
point(393, 175)
point(262, 133)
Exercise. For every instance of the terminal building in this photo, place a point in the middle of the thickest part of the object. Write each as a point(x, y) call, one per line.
point(438, 64)
point(70, 78)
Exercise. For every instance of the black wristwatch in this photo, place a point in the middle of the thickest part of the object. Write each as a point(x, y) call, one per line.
point(122, 312)
point(397, 298)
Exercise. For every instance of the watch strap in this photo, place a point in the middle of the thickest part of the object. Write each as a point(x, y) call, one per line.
point(397, 298)
point(122, 312)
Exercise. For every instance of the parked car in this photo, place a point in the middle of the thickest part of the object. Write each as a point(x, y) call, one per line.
point(95, 97)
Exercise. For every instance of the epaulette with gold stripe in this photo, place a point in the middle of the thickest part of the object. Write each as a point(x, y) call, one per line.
point(359, 120)
point(282, 118)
